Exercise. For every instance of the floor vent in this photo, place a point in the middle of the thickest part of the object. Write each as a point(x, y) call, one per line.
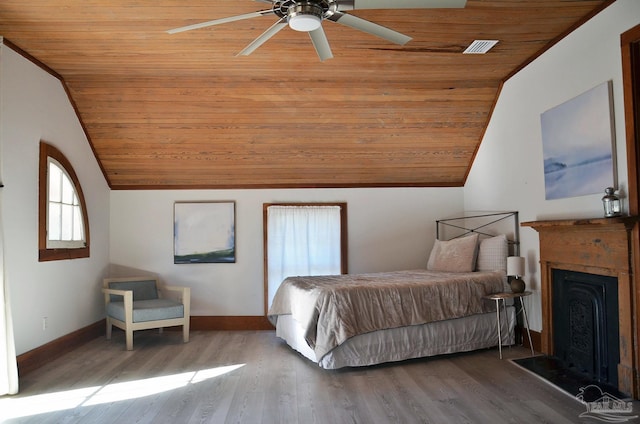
point(480, 46)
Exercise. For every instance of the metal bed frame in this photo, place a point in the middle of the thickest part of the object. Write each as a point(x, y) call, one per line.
point(481, 228)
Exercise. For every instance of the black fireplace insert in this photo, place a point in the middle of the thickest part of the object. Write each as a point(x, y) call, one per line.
point(585, 324)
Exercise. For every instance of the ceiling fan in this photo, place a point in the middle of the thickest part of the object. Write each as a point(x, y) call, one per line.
point(307, 16)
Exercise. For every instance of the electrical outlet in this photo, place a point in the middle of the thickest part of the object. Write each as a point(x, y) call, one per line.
point(45, 323)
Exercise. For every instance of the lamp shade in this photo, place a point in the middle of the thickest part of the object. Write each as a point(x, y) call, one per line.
point(515, 265)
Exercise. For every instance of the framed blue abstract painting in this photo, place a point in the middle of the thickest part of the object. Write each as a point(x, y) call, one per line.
point(578, 144)
point(204, 232)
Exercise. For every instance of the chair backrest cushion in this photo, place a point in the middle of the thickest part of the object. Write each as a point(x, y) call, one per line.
point(142, 289)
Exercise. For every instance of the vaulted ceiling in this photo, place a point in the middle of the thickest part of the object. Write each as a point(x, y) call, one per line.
point(183, 111)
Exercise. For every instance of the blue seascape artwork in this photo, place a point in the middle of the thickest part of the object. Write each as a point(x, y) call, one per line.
point(204, 232)
point(577, 143)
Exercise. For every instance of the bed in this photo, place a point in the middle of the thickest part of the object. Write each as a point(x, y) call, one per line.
point(354, 320)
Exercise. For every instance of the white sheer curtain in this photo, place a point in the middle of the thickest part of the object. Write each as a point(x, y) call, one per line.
point(301, 240)
point(8, 364)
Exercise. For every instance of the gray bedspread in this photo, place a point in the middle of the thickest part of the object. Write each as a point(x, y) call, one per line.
point(334, 308)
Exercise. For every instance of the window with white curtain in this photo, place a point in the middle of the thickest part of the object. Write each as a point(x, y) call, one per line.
point(303, 239)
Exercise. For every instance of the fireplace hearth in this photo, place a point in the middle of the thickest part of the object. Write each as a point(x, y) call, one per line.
point(570, 381)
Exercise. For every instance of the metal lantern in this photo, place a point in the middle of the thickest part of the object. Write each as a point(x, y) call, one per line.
point(611, 203)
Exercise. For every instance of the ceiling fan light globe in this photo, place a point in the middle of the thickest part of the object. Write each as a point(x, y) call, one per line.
point(304, 23)
point(305, 16)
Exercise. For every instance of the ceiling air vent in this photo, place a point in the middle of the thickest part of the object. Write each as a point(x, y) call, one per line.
point(480, 46)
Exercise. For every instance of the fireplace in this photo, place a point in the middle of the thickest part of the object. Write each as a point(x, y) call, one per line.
point(601, 250)
point(585, 324)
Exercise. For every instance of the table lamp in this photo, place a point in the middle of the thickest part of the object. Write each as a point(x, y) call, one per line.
point(515, 270)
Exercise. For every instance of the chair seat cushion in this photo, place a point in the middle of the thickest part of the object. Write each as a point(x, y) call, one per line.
point(148, 310)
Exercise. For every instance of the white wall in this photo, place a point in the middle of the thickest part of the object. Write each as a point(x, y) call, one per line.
point(508, 171)
point(35, 106)
point(389, 229)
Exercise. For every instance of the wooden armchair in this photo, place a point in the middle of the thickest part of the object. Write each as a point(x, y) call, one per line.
point(136, 303)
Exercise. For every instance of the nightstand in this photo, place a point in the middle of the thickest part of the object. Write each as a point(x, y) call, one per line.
point(497, 297)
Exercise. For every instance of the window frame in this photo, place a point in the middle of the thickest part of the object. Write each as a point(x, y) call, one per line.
point(58, 253)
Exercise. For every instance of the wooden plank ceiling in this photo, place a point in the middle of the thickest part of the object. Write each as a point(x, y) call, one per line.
point(182, 111)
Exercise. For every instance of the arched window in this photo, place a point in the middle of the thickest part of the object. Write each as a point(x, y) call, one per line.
point(63, 222)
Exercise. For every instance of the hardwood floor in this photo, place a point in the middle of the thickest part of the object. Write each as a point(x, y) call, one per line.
point(253, 377)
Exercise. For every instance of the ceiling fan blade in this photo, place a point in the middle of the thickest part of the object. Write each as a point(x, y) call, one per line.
point(221, 21)
point(321, 44)
point(369, 27)
point(399, 4)
point(273, 30)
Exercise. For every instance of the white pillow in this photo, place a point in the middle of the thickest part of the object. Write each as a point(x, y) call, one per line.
point(456, 255)
point(492, 254)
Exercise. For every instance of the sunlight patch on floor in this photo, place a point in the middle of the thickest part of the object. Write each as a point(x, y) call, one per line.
point(15, 407)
